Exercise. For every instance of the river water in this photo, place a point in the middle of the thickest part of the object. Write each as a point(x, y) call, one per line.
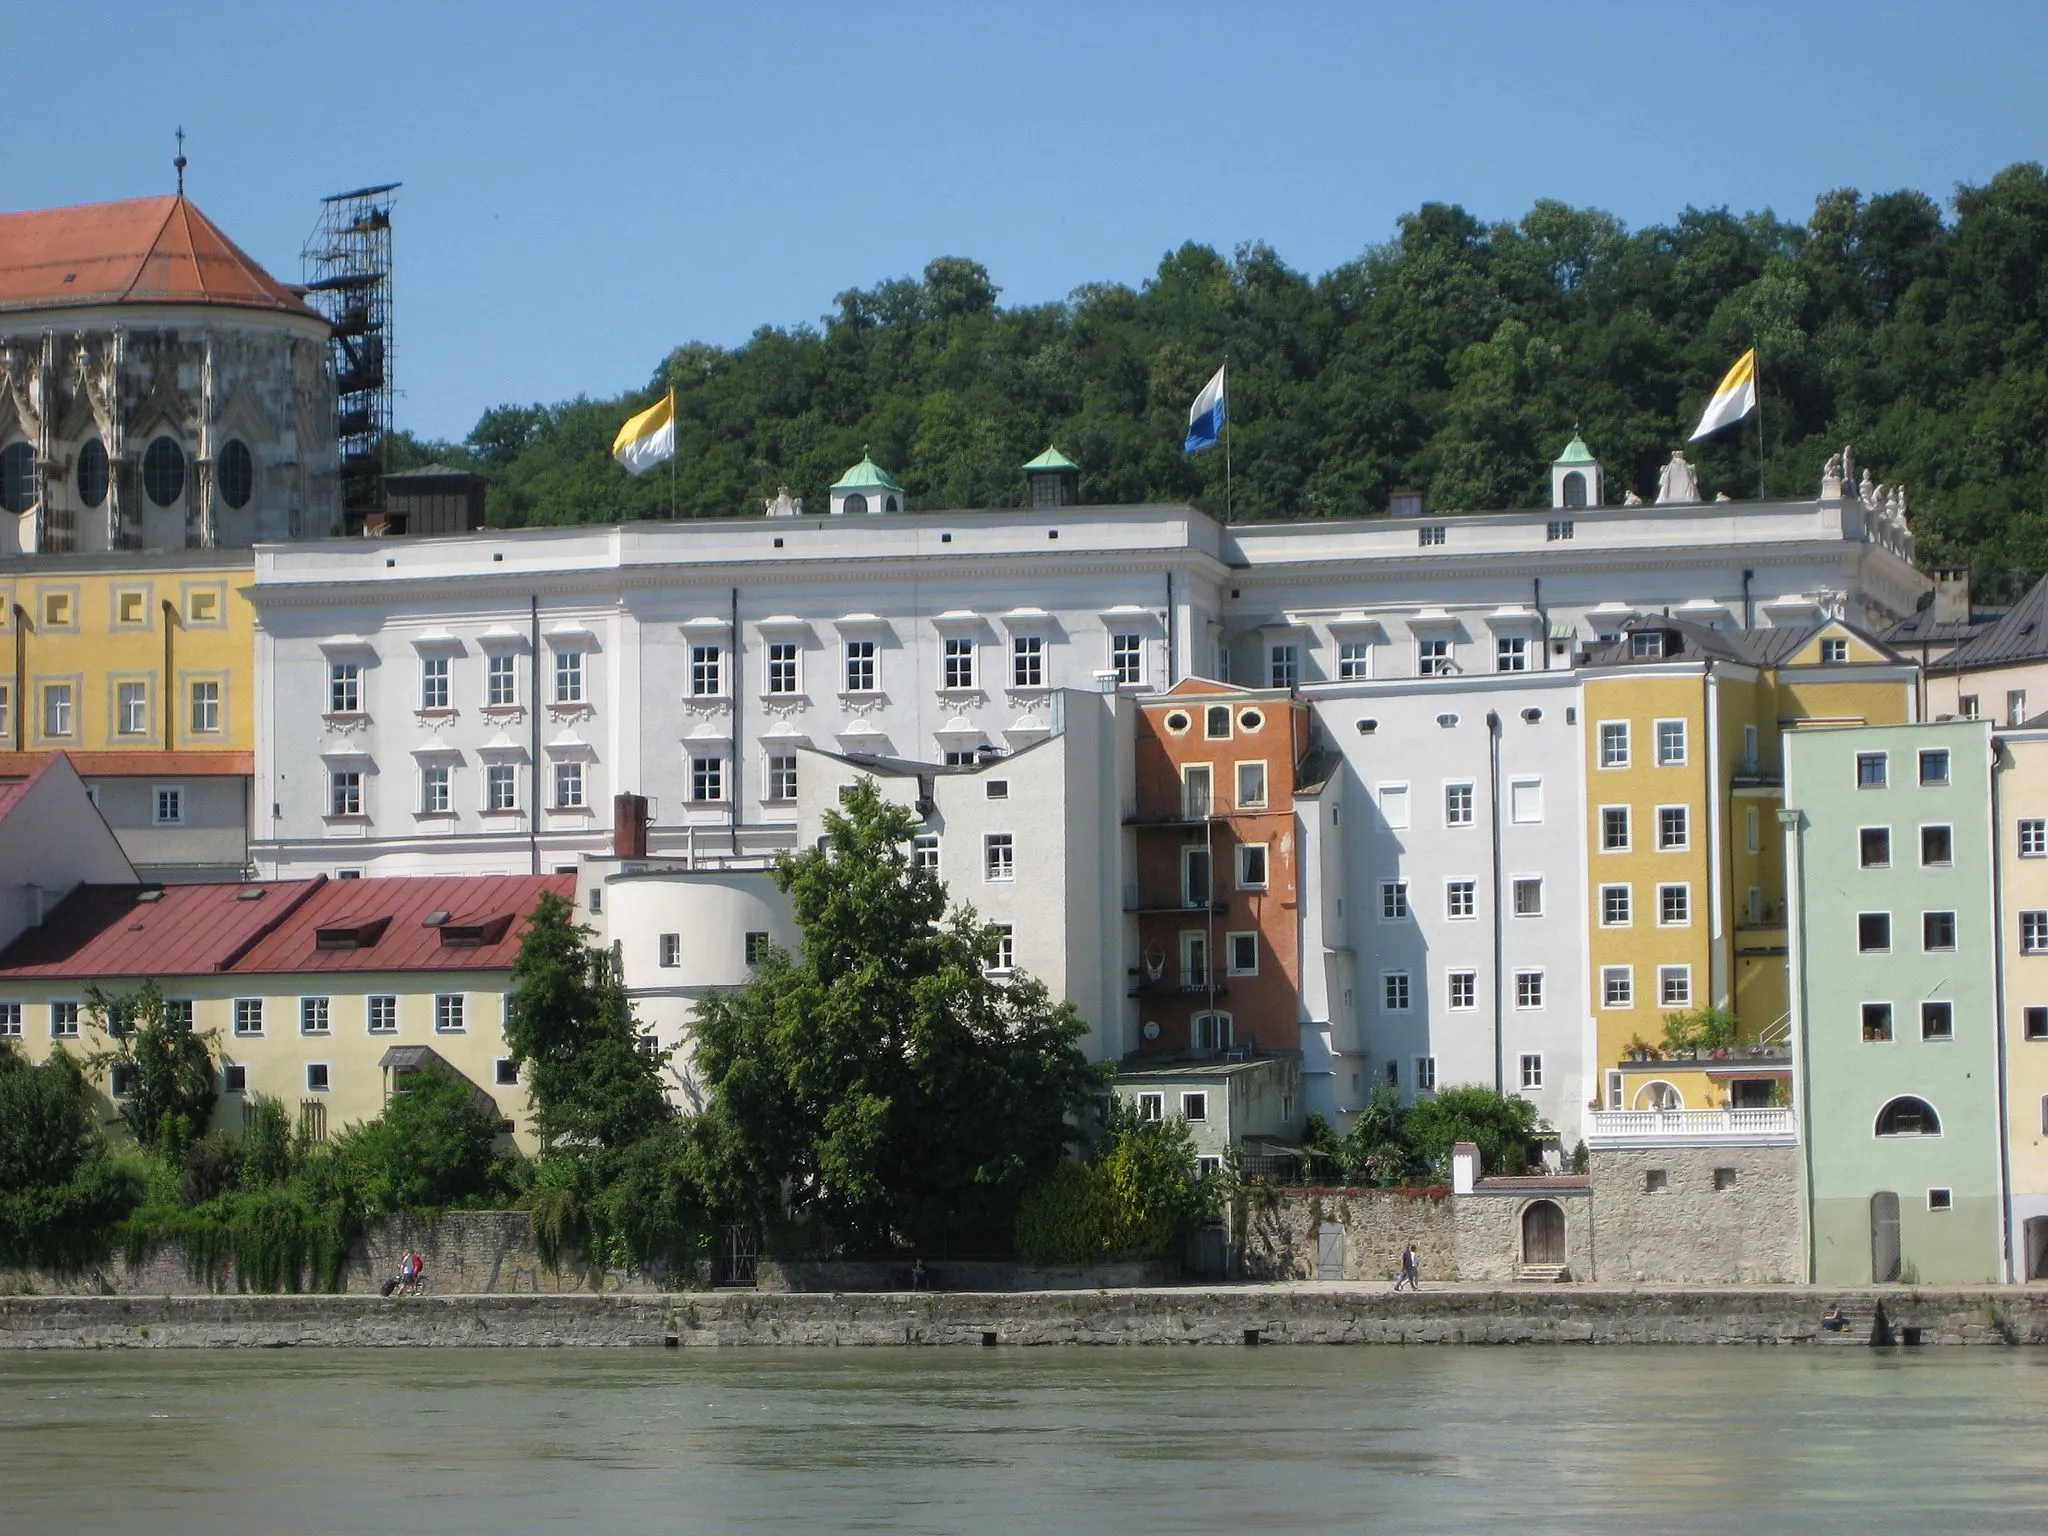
point(1188, 1440)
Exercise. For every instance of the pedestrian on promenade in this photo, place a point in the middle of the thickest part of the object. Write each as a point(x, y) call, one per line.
point(1411, 1270)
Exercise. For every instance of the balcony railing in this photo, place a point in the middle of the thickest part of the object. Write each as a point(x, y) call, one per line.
point(1708, 1125)
point(1137, 900)
point(1175, 982)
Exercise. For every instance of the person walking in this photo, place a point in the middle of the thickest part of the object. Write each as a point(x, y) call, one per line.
point(1411, 1270)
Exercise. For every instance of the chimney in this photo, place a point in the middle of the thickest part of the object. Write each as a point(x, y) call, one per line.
point(1952, 595)
point(629, 826)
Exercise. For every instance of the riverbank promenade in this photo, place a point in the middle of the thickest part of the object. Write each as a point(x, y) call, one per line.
point(1235, 1316)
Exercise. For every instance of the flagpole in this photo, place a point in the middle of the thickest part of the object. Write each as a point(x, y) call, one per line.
point(674, 450)
point(1757, 371)
point(1226, 437)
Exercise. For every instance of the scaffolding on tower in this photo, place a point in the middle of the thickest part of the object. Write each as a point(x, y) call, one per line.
point(347, 268)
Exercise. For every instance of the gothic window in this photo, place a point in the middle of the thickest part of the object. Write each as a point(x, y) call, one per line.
point(92, 472)
point(237, 474)
point(17, 477)
point(163, 471)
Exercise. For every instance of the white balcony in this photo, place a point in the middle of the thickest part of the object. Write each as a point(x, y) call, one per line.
point(1708, 1127)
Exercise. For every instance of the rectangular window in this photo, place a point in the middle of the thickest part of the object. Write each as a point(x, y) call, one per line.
point(1557, 530)
point(1429, 535)
point(959, 663)
point(505, 1072)
point(1874, 847)
point(1873, 932)
point(2036, 1023)
point(1528, 896)
point(1243, 953)
point(860, 666)
point(6, 711)
point(756, 948)
point(1394, 991)
point(1674, 906)
point(1834, 652)
point(1251, 786)
point(1674, 986)
point(670, 951)
point(1457, 805)
point(316, 1077)
point(1511, 654)
point(1394, 805)
point(501, 787)
point(1151, 1107)
point(1617, 986)
point(1251, 866)
point(1525, 801)
point(2034, 838)
point(57, 709)
point(1127, 658)
point(1877, 1023)
point(569, 786)
point(1394, 900)
point(64, 1021)
point(1673, 832)
point(1870, 770)
point(312, 1015)
point(924, 850)
point(234, 1078)
point(170, 805)
point(382, 1014)
point(1286, 666)
point(998, 856)
point(1532, 1071)
point(501, 680)
point(344, 793)
point(1614, 829)
point(1615, 906)
point(1937, 1021)
point(248, 1016)
point(1463, 989)
point(1934, 766)
point(1528, 989)
point(1194, 960)
point(434, 789)
point(1460, 898)
point(1027, 661)
point(707, 779)
point(1937, 930)
point(707, 671)
point(1755, 829)
point(345, 688)
point(131, 709)
point(10, 1021)
point(1006, 948)
point(1425, 1074)
point(2034, 933)
point(433, 682)
point(782, 776)
point(1966, 706)
point(1749, 754)
point(1670, 743)
point(1433, 658)
point(1354, 660)
point(1613, 743)
point(568, 677)
point(448, 1013)
point(782, 667)
point(1941, 1200)
point(2016, 706)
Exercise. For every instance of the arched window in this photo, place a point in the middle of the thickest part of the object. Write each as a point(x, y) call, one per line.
point(1211, 1031)
point(1659, 1095)
point(237, 474)
point(163, 471)
point(17, 477)
point(1908, 1116)
point(854, 505)
point(889, 504)
point(1575, 489)
point(1216, 722)
point(92, 472)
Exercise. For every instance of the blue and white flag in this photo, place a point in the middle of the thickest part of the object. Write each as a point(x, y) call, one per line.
point(1205, 416)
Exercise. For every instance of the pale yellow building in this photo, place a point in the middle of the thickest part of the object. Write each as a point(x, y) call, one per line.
point(2020, 809)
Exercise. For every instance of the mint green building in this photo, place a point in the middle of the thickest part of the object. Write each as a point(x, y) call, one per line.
point(1894, 1000)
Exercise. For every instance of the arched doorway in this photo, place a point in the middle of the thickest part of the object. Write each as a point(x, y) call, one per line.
point(2036, 1231)
point(1884, 1237)
point(1543, 1233)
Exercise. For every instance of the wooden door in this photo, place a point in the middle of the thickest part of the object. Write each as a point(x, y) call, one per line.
point(1542, 1233)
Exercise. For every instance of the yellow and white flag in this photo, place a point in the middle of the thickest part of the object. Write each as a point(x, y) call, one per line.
point(649, 438)
point(1735, 399)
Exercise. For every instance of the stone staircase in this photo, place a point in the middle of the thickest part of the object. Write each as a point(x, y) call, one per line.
point(1542, 1274)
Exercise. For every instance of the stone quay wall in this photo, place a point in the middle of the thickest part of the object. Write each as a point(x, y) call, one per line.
point(1698, 1216)
point(1226, 1315)
point(1475, 1237)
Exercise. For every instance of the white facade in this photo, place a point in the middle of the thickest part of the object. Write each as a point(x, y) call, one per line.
point(52, 839)
point(1453, 894)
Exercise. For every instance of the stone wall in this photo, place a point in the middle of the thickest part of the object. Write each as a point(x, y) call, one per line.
point(1698, 1215)
point(869, 1275)
point(1474, 1237)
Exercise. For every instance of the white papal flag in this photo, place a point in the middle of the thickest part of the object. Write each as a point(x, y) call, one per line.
point(1735, 399)
point(649, 438)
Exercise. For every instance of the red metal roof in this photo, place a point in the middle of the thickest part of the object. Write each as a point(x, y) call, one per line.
point(147, 250)
point(14, 790)
point(108, 931)
point(143, 765)
point(407, 943)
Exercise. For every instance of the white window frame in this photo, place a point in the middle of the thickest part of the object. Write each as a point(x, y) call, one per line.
point(501, 788)
point(1531, 1071)
point(1684, 845)
point(1678, 996)
point(131, 709)
point(1127, 658)
point(316, 1015)
point(707, 671)
point(451, 1013)
point(1283, 664)
point(434, 683)
point(1252, 774)
point(344, 688)
point(1617, 987)
point(501, 680)
point(1627, 829)
point(247, 1016)
point(707, 779)
point(1231, 956)
point(1394, 906)
point(1461, 979)
point(1006, 949)
point(2033, 837)
point(1667, 756)
point(167, 805)
point(345, 792)
point(1469, 890)
point(436, 788)
point(1354, 661)
point(1397, 992)
point(1517, 788)
point(1027, 661)
point(861, 666)
point(1471, 803)
point(1511, 653)
point(784, 678)
point(956, 664)
point(924, 850)
point(998, 857)
point(668, 951)
point(1628, 904)
point(781, 776)
point(1517, 884)
point(1683, 888)
point(380, 1003)
point(1435, 657)
point(66, 1018)
point(1245, 853)
point(2034, 933)
point(1425, 1074)
point(1613, 736)
point(1531, 993)
point(569, 675)
point(569, 788)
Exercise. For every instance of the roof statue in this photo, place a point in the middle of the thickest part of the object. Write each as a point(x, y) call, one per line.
point(1869, 492)
point(1678, 482)
point(1831, 478)
point(1631, 499)
point(782, 504)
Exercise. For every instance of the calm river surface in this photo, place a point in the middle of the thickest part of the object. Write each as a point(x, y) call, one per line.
point(1275, 1439)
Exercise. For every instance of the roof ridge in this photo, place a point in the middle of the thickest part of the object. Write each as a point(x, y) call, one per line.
point(235, 955)
point(149, 250)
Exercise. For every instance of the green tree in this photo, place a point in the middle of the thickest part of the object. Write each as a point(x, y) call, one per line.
point(1377, 1149)
point(60, 1193)
point(1501, 1125)
point(167, 1064)
point(1136, 1198)
point(434, 1146)
point(881, 1081)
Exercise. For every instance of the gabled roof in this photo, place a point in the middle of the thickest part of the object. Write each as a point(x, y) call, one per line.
point(147, 250)
point(120, 931)
point(1774, 647)
point(2020, 635)
point(15, 790)
point(482, 918)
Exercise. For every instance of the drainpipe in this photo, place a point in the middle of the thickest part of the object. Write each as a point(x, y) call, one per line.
point(20, 675)
point(1998, 1018)
point(1542, 622)
point(739, 737)
point(533, 732)
point(1794, 823)
point(1172, 636)
point(1748, 611)
point(1493, 824)
point(166, 698)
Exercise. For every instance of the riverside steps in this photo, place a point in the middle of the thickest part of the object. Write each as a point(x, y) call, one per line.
point(1235, 1316)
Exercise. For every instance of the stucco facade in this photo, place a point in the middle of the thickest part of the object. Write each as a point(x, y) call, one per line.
point(2021, 794)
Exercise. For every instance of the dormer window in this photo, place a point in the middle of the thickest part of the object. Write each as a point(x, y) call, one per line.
point(1647, 642)
point(474, 933)
point(354, 933)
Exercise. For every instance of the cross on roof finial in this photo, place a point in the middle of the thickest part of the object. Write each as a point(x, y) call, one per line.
point(179, 163)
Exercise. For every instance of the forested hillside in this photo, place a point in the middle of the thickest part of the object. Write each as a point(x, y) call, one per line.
point(1456, 359)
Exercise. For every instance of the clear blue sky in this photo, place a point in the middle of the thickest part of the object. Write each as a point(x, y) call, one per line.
point(588, 185)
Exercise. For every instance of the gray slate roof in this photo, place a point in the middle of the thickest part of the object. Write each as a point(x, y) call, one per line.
point(2020, 635)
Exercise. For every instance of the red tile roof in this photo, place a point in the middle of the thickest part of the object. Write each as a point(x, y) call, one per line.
point(126, 931)
point(406, 942)
point(148, 250)
point(14, 790)
point(141, 765)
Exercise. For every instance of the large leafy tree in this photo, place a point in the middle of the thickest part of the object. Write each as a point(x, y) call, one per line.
point(167, 1064)
point(881, 1081)
point(60, 1193)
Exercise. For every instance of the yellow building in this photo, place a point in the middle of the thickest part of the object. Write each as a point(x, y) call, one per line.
point(2020, 805)
point(319, 993)
point(141, 667)
point(1683, 728)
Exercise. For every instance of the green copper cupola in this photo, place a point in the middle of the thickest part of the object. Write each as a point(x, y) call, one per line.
point(866, 488)
point(1054, 479)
